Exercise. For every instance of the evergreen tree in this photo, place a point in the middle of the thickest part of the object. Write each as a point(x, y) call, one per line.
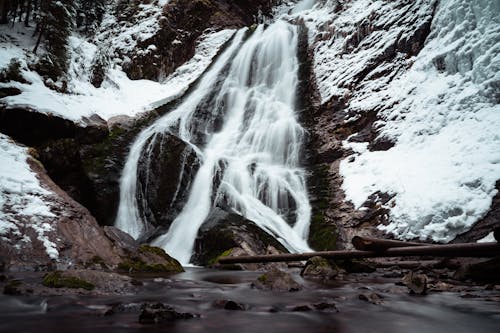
point(57, 19)
point(90, 14)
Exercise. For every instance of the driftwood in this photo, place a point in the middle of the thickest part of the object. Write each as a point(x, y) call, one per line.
point(449, 250)
point(375, 244)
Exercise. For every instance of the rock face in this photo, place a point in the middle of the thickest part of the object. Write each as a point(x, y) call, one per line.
point(165, 172)
point(227, 234)
point(181, 23)
point(385, 43)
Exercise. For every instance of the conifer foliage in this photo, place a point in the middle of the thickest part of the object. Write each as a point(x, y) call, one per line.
point(54, 22)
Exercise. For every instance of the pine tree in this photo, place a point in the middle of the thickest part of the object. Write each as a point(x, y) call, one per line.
point(57, 19)
point(89, 15)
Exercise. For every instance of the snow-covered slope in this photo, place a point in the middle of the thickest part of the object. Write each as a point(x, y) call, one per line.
point(118, 95)
point(23, 202)
point(442, 112)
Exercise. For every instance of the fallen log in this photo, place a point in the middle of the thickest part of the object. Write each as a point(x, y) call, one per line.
point(449, 250)
point(375, 244)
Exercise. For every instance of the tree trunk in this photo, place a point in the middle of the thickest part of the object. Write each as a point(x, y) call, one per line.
point(42, 31)
point(4, 10)
point(448, 250)
point(375, 244)
point(28, 13)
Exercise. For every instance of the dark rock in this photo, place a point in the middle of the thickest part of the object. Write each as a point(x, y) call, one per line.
point(229, 305)
point(487, 271)
point(277, 280)
point(224, 231)
point(166, 169)
point(302, 308)
point(328, 307)
point(319, 268)
point(155, 313)
point(9, 91)
point(31, 127)
point(13, 288)
point(416, 283)
point(357, 266)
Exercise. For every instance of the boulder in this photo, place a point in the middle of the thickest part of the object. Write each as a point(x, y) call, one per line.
point(277, 280)
point(150, 259)
point(416, 283)
point(224, 232)
point(320, 269)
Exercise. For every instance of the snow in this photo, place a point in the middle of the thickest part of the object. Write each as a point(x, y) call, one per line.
point(444, 120)
point(22, 204)
point(488, 238)
point(118, 95)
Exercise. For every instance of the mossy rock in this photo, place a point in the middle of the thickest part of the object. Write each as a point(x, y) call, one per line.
point(58, 280)
point(150, 259)
point(322, 236)
point(320, 268)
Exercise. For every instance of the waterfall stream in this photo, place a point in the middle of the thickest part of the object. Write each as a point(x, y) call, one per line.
point(255, 153)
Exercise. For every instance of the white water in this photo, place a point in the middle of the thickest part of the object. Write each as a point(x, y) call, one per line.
point(258, 145)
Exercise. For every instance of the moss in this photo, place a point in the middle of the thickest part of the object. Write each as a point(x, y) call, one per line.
point(323, 237)
point(154, 250)
point(137, 265)
point(262, 278)
point(214, 260)
point(57, 280)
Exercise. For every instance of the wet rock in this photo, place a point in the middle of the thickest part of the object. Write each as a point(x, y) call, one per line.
point(327, 307)
point(373, 298)
point(223, 233)
point(166, 168)
point(229, 305)
point(302, 308)
point(277, 280)
point(155, 313)
point(13, 288)
point(58, 280)
point(319, 268)
point(97, 282)
point(416, 283)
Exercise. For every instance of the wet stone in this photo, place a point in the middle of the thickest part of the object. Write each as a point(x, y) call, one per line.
point(154, 313)
point(229, 305)
point(416, 283)
point(373, 298)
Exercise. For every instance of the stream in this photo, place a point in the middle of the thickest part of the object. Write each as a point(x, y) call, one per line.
point(195, 291)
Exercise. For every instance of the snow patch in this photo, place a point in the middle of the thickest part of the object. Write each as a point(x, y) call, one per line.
point(22, 204)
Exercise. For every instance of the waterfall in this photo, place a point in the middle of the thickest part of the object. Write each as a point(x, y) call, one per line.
point(255, 153)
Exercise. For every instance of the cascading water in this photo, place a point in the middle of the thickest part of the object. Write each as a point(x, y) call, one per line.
point(255, 153)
